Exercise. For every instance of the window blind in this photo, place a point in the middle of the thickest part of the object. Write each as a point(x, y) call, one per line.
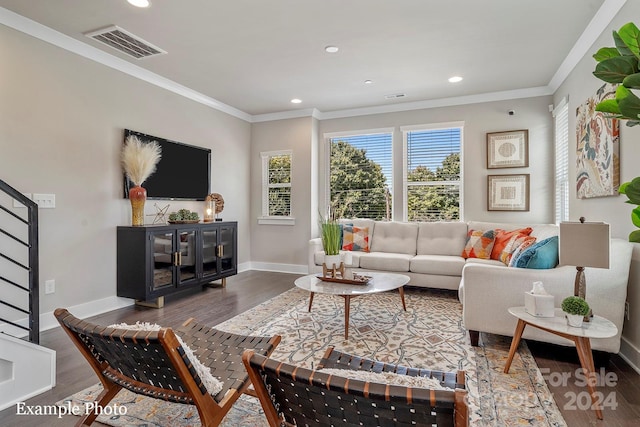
point(561, 125)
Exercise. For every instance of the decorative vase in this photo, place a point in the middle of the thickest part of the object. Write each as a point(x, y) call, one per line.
point(137, 196)
point(332, 260)
point(575, 320)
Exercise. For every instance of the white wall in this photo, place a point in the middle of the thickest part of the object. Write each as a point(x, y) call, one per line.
point(579, 86)
point(61, 130)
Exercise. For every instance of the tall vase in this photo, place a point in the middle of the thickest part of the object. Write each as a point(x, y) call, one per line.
point(137, 196)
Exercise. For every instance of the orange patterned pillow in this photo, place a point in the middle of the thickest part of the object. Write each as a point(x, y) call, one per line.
point(517, 243)
point(355, 238)
point(503, 237)
point(479, 244)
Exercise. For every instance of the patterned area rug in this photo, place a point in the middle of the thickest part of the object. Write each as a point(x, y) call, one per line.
point(429, 334)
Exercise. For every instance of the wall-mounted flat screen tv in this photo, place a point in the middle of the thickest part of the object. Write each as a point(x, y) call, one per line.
point(183, 172)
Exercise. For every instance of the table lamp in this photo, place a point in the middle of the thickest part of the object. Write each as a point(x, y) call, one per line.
point(584, 244)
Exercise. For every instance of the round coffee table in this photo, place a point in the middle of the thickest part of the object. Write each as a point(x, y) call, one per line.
point(380, 282)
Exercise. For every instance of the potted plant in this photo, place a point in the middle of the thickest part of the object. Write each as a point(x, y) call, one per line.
point(621, 65)
point(330, 233)
point(575, 308)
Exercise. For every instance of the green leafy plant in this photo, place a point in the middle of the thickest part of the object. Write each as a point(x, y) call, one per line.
point(330, 234)
point(620, 65)
point(632, 190)
point(184, 215)
point(575, 305)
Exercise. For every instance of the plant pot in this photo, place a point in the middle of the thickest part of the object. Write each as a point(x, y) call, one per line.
point(331, 260)
point(574, 320)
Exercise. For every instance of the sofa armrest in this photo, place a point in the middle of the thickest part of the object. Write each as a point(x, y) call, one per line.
point(315, 245)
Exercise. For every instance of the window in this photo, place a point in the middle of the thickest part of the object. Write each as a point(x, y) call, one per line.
point(432, 165)
point(561, 124)
point(276, 188)
point(361, 175)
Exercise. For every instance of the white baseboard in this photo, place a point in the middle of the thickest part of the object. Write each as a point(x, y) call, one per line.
point(630, 353)
point(280, 268)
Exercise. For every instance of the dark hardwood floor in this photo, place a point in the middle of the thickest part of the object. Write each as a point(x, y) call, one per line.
point(246, 290)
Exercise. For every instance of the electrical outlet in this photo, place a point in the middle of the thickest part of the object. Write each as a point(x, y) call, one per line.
point(49, 286)
point(626, 310)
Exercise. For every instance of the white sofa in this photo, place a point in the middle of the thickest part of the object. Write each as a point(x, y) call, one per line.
point(430, 254)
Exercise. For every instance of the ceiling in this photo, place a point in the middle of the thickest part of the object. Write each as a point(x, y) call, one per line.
point(255, 56)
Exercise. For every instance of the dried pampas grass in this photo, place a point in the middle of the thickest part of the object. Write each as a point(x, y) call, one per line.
point(139, 160)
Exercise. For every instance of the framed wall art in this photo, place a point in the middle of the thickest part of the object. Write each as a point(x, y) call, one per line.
point(508, 192)
point(508, 149)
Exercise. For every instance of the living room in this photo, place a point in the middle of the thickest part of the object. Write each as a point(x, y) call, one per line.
point(63, 117)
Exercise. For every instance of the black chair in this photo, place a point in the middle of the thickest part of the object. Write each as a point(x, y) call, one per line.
point(293, 395)
point(155, 364)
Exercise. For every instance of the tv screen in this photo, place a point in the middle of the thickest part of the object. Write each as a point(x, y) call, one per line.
point(183, 172)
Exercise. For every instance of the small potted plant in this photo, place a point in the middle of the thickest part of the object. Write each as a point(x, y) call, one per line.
point(330, 234)
point(575, 308)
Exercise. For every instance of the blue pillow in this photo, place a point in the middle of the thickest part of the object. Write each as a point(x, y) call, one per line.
point(541, 255)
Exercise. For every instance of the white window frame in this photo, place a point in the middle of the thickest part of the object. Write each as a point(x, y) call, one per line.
point(327, 157)
point(405, 170)
point(560, 115)
point(265, 218)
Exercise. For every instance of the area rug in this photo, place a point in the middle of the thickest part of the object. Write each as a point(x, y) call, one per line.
point(429, 334)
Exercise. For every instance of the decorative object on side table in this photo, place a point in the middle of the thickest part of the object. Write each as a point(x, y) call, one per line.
point(160, 217)
point(537, 302)
point(584, 244)
point(218, 204)
point(330, 234)
point(576, 309)
point(209, 209)
point(183, 216)
point(508, 149)
point(139, 161)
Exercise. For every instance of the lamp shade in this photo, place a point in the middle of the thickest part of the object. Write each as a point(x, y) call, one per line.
point(584, 244)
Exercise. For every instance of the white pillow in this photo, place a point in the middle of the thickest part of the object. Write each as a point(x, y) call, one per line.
point(387, 378)
point(211, 383)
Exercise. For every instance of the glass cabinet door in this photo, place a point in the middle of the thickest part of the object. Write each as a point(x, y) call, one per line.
point(227, 253)
point(187, 255)
point(209, 252)
point(163, 253)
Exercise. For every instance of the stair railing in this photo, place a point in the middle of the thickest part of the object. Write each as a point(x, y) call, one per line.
point(29, 293)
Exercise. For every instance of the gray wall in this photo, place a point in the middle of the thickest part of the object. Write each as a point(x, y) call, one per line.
point(61, 130)
point(579, 86)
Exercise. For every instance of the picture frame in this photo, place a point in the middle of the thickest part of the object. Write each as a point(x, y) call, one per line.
point(508, 192)
point(509, 149)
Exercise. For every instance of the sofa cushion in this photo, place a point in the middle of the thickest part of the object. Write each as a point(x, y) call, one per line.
point(444, 265)
point(518, 242)
point(479, 244)
point(485, 261)
point(541, 255)
point(503, 237)
point(355, 238)
point(395, 237)
point(441, 238)
point(385, 261)
point(540, 231)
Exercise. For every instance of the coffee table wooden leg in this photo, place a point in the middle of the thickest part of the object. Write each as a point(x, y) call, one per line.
point(401, 289)
point(347, 305)
point(514, 343)
point(583, 346)
point(310, 300)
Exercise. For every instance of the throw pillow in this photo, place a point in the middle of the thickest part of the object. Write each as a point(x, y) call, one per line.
point(503, 237)
point(519, 249)
point(387, 378)
point(479, 244)
point(211, 383)
point(541, 255)
point(355, 238)
point(515, 243)
point(342, 232)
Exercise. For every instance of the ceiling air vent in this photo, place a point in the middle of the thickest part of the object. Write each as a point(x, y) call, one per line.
point(125, 42)
point(395, 95)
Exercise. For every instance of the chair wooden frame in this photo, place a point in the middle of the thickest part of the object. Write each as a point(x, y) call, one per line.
point(136, 360)
point(292, 395)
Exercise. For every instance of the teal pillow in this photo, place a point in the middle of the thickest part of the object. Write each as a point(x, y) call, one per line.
point(541, 255)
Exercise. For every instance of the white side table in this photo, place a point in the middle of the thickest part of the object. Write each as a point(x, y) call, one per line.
point(598, 327)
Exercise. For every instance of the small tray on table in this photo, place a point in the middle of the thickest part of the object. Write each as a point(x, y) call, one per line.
point(357, 280)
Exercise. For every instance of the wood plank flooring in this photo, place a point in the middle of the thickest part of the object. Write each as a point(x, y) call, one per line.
point(246, 290)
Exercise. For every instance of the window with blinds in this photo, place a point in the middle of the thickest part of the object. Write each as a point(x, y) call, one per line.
point(361, 176)
point(561, 125)
point(432, 174)
point(276, 183)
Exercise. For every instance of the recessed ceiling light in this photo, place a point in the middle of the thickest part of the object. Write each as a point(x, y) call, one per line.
point(455, 79)
point(331, 49)
point(296, 101)
point(368, 82)
point(139, 3)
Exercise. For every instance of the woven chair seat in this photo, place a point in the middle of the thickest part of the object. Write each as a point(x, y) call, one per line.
point(154, 363)
point(292, 395)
